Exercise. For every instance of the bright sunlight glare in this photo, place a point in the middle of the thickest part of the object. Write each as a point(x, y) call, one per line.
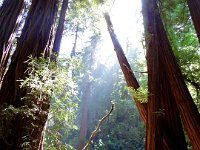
point(127, 21)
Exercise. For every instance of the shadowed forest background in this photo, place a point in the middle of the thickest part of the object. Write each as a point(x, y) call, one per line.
point(99, 74)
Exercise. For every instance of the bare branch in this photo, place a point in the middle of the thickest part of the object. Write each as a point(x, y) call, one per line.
point(97, 129)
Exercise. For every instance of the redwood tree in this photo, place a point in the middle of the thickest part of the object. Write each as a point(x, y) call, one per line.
point(89, 63)
point(155, 34)
point(84, 116)
point(171, 119)
point(60, 28)
point(34, 41)
point(10, 17)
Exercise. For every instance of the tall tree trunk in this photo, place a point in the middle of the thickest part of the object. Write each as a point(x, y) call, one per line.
point(60, 28)
point(10, 17)
point(87, 93)
point(84, 117)
point(154, 130)
point(126, 68)
point(35, 41)
point(194, 7)
point(172, 122)
point(73, 52)
point(187, 108)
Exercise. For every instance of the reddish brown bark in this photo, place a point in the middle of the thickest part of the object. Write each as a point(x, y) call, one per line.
point(172, 121)
point(194, 7)
point(154, 127)
point(127, 71)
point(187, 109)
point(10, 17)
point(84, 117)
point(34, 40)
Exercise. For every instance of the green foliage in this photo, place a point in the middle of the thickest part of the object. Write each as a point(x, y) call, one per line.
point(140, 94)
point(83, 16)
point(46, 80)
point(64, 105)
point(124, 129)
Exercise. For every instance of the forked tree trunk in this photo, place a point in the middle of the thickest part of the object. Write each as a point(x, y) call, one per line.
point(172, 121)
point(194, 7)
point(34, 40)
point(162, 110)
point(60, 28)
point(10, 17)
point(187, 108)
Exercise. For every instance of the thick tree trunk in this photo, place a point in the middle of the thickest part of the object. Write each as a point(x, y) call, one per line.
point(10, 17)
point(172, 121)
point(154, 130)
point(194, 7)
point(60, 28)
point(187, 109)
point(34, 40)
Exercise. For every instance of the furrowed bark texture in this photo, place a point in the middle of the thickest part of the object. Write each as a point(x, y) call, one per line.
point(34, 40)
point(154, 126)
point(160, 94)
point(184, 102)
point(60, 28)
point(194, 7)
point(170, 117)
point(10, 17)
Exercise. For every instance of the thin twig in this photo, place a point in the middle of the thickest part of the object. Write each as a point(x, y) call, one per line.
point(97, 129)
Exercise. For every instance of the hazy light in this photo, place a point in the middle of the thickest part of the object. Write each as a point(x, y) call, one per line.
point(127, 21)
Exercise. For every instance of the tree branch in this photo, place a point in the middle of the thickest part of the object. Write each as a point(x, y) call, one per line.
point(97, 129)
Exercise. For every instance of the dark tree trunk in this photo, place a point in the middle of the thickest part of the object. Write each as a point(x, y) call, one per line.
point(73, 52)
point(154, 127)
point(194, 7)
point(184, 102)
point(60, 28)
point(10, 17)
point(172, 121)
point(35, 41)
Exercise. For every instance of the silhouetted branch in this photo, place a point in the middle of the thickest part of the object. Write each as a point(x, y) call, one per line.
point(97, 129)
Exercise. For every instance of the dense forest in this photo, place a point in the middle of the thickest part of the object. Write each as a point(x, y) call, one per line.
point(99, 74)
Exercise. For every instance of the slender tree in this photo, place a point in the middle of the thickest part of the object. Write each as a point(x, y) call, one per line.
point(194, 7)
point(10, 17)
point(127, 71)
point(73, 52)
point(82, 138)
point(35, 41)
point(60, 28)
point(87, 93)
point(155, 34)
